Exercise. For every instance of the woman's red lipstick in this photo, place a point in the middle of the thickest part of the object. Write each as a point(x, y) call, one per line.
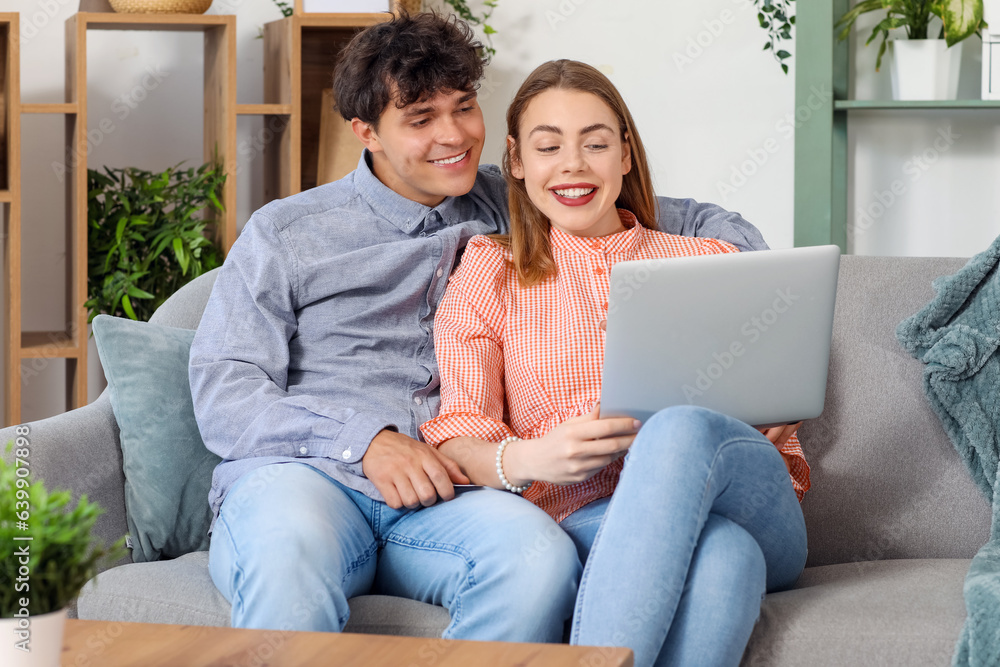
point(574, 201)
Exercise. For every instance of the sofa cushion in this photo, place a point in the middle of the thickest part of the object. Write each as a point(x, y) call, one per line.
point(893, 612)
point(181, 591)
point(177, 591)
point(886, 481)
point(168, 470)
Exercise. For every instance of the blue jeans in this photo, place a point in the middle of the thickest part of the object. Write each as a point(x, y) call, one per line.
point(292, 545)
point(703, 522)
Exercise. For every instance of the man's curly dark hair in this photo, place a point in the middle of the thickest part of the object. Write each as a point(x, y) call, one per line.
point(406, 59)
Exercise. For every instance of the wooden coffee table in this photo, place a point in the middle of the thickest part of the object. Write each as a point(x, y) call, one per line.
point(110, 644)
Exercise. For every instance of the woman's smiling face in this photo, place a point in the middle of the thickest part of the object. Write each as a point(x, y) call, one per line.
point(572, 159)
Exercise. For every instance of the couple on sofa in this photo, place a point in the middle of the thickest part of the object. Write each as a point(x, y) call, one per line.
point(342, 328)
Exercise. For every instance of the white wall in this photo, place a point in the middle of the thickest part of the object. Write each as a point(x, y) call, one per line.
point(922, 182)
point(705, 96)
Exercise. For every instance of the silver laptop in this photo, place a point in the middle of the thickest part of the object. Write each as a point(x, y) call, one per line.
point(745, 334)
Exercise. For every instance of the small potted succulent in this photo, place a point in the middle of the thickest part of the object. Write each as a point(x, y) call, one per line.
point(923, 67)
point(46, 557)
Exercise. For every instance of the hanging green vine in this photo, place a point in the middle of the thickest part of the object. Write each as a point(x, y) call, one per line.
point(464, 12)
point(776, 17)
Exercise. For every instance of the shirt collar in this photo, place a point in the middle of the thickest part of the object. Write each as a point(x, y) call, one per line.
point(619, 242)
point(407, 215)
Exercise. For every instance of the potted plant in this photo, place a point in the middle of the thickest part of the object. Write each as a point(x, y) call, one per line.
point(922, 67)
point(147, 237)
point(46, 557)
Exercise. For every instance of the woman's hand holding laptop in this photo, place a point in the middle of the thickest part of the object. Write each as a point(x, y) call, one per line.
point(573, 451)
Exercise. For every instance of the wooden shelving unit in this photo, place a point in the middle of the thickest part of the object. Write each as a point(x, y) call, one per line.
point(300, 54)
point(10, 200)
point(219, 141)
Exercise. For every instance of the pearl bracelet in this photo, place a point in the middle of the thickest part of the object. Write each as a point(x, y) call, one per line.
point(503, 478)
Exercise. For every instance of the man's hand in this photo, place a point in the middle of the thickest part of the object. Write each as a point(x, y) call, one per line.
point(409, 472)
point(779, 435)
point(573, 451)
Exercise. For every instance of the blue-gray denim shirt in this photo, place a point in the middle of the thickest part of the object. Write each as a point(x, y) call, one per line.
point(319, 331)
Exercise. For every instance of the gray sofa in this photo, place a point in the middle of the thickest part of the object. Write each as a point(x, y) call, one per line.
point(893, 517)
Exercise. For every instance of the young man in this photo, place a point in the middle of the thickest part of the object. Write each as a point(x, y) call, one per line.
point(314, 366)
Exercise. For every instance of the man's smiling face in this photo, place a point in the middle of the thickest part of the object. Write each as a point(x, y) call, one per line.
point(430, 149)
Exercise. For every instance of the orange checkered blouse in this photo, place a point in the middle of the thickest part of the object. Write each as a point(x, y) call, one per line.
point(535, 355)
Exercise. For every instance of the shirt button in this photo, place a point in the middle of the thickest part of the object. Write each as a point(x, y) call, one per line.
point(599, 270)
point(417, 400)
point(303, 450)
point(440, 272)
point(605, 305)
point(347, 453)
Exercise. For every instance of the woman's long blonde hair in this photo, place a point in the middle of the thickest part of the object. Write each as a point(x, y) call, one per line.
point(528, 240)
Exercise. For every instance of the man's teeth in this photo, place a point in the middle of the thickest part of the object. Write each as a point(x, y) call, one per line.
point(451, 160)
point(573, 193)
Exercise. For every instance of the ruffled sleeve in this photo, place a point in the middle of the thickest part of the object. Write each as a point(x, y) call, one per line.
point(798, 468)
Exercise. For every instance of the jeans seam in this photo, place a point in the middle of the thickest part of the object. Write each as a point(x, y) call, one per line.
point(455, 609)
point(575, 632)
point(359, 561)
point(237, 596)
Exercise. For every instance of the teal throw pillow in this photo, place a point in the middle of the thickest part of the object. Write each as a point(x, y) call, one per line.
point(168, 470)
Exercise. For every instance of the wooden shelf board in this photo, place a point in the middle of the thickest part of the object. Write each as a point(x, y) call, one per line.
point(6, 196)
point(896, 105)
point(48, 344)
point(263, 109)
point(341, 21)
point(64, 108)
point(158, 22)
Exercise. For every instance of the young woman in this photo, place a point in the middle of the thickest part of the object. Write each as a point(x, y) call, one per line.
point(682, 536)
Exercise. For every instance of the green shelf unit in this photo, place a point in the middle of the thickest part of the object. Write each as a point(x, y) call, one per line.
point(821, 77)
point(868, 105)
point(822, 108)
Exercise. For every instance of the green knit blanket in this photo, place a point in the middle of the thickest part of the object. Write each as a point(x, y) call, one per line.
point(956, 335)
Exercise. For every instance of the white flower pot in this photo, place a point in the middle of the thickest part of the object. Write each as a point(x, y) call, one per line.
point(45, 640)
point(924, 69)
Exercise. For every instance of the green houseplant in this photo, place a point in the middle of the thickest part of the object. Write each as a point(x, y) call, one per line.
point(776, 17)
point(146, 236)
point(959, 19)
point(464, 11)
point(46, 557)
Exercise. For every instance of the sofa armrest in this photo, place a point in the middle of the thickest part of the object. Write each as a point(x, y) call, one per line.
point(79, 450)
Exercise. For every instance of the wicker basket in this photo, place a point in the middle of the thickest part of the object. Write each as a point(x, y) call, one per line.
point(161, 6)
